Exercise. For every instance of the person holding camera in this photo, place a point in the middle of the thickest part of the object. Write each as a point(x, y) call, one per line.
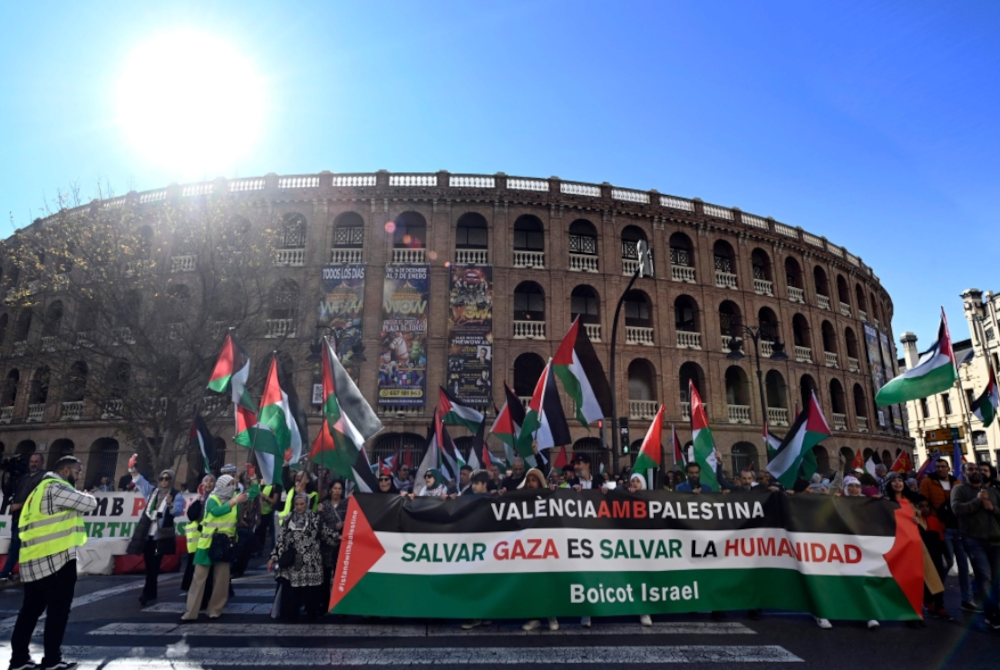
point(23, 487)
point(215, 548)
point(978, 511)
point(155, 535)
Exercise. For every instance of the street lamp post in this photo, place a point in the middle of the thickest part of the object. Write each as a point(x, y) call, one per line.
point(645, 263)
point(777, 354)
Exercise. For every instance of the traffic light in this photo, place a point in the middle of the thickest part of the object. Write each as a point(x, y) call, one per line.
point(623, 431)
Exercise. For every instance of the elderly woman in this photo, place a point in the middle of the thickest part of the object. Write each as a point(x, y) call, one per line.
point(155, 535)
point(221, 510)
point(333, 512)
point(297, 561)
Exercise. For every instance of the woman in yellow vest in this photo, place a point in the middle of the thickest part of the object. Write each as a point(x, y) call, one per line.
point(221, 511)
point(192, 529)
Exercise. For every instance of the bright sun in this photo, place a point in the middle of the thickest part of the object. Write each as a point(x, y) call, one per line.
point(190, 103)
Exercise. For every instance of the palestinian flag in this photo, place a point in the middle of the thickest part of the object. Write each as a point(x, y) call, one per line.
point(231, 373)
point(795, 454)
point(545, 421)
point(276, 430)
point(651, 452)
point(771, 441)
point(678, 448)
point(510, 418)
point(902, 463)
point(456, 413)
point(582, 375)
point(348, 421)
point(200, 438)
point(985, 406)
point(435, 457)
point(479, 450)
point(704, 445)
point(453, 460)
point(562, 460)
point(935, 372)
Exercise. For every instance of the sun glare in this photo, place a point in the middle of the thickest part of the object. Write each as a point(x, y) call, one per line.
point(190, 103)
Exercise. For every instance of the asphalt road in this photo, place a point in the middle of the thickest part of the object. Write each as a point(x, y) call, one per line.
point(111, 631)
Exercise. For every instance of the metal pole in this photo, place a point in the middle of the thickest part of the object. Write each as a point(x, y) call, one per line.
point(615, 469)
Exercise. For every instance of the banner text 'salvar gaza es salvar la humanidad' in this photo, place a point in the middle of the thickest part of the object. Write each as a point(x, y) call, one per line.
point(533, 554)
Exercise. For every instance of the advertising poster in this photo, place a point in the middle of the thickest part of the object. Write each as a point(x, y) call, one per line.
point(621, 554)
point(470, 334)
point(889, 365)
point(340, 309)
point(402, 363)
point(875, 361)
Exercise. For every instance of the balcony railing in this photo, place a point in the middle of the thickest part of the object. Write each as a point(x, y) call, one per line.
point(472, 256)
point(803, 354)
point(642, 409)
point(688, 340)
point(839, 421)
point(185, 263)
point(831, 359)
point(823, 301)
point(400, 411)
point(20, 348)
point(739, 413)
point(6, 414)
point(725, 279)
point(766, 348)
point(796, 295)
point(583, 263)
point(280, 328)
point(593, 331)
point(36, 412)
point(726, 339)
point(123, 335)
point(763, 287)
point(71, 410)
point(853, 364)
point(112, 409)
point(85, 339)
point(639, 335)
point(212, 403)
point(345, 256)
point(682, 273)
point(529, 259)
point(863, 315)
point(777, 416)
point(629, 266)
point(48, 343)
point(529, 330)
point(686, 410)
point(845, 309)
point(862, 424)
point(290, 258)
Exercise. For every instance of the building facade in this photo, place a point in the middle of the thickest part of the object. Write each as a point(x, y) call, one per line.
point(553, 250)
point(953, 409)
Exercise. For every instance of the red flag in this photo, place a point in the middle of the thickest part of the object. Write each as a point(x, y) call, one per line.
point(903, 463)
point(858, 462)
point(561, 460)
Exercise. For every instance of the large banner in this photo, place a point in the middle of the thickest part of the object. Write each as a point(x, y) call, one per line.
point(532, 554)
point(889, 365)
point(875, 365)
point(402, 364)
point(340, 308)
point(470, 334)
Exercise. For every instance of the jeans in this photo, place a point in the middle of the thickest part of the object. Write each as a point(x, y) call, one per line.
point(954, 551)
point(986, 565)
point(152, 561)
point(13, 552)
point(52, 595)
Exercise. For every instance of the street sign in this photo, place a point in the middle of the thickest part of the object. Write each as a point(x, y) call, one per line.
point(944, 435)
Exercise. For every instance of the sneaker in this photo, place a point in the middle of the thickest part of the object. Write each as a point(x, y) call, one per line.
point(534, 624)
point(585, 621)
point(823, 623)
point(971, 606)
point(553, 623)
point(29, 665)
point(61, 665)
point(645, 620)
point(472, 623)
point(873, 625)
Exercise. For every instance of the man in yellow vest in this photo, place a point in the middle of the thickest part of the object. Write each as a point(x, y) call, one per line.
point(51, 528)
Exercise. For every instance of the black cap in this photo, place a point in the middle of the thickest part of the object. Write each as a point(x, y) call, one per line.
point(581, 458)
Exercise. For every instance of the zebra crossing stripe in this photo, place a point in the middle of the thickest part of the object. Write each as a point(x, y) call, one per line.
point(193, 658)
point(279, 630)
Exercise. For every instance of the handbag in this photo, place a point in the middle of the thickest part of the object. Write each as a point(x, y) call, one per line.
point(287, 559)
point(221, 549)
point(138, 541)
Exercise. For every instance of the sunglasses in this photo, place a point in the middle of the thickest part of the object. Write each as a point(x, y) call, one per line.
point(384, 479)
point(164, 479)
point(428, 476)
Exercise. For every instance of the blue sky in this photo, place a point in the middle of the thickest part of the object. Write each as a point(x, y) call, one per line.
point(872, 123)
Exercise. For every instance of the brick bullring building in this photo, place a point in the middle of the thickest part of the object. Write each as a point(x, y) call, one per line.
point(546, 250)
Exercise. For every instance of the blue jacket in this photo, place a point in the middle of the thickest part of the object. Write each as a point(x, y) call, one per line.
point(685, 487)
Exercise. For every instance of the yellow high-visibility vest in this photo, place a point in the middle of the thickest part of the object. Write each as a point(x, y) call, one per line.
point(265, 504)
point(212, 524)
point(48, 534)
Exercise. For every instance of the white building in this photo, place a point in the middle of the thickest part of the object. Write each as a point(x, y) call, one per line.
point(952, 409)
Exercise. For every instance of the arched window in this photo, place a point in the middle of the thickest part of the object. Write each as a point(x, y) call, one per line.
point(529, 234)
point(14, 276)
point(292, 231)
point(681, 251)
point(860, 401)
point(837, 400)
point(737, 389)
point(638, 309)
point(859, 295)
point(119, 378)
point(592, 447)
point(843, 293)
point(583, 246)
point(725, 264)
point(61, 447)
point(631, 236)
point(822, 285)
point(768, 321)
point(25, 448)
point(23, 326)
point(822, 457)
point(348, 231)
point(53, 318)
point(641, 376)
point(127, 311)
point(76, 382)
point(793, 273)
point(775, 392)
point(829, 337)
point(103, 461)
point(730, 320)
point(86, 317)
point(807, 386)
point(410, 231)
point(527, 370)
point(586, 304)
point(529, 302)
point(145, 243)
point(9, 395)
point(874, 308)
point(38, 394)
point(283, 308)
point(4, 320)
point(851, 341)
point(686, 314)
point(471, 232)
point(761, 265)
point(745, 457)
point(691, 373)
point(800, 332)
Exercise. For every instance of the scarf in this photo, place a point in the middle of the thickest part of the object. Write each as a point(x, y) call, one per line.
point(298, 520)
point(225, 486)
